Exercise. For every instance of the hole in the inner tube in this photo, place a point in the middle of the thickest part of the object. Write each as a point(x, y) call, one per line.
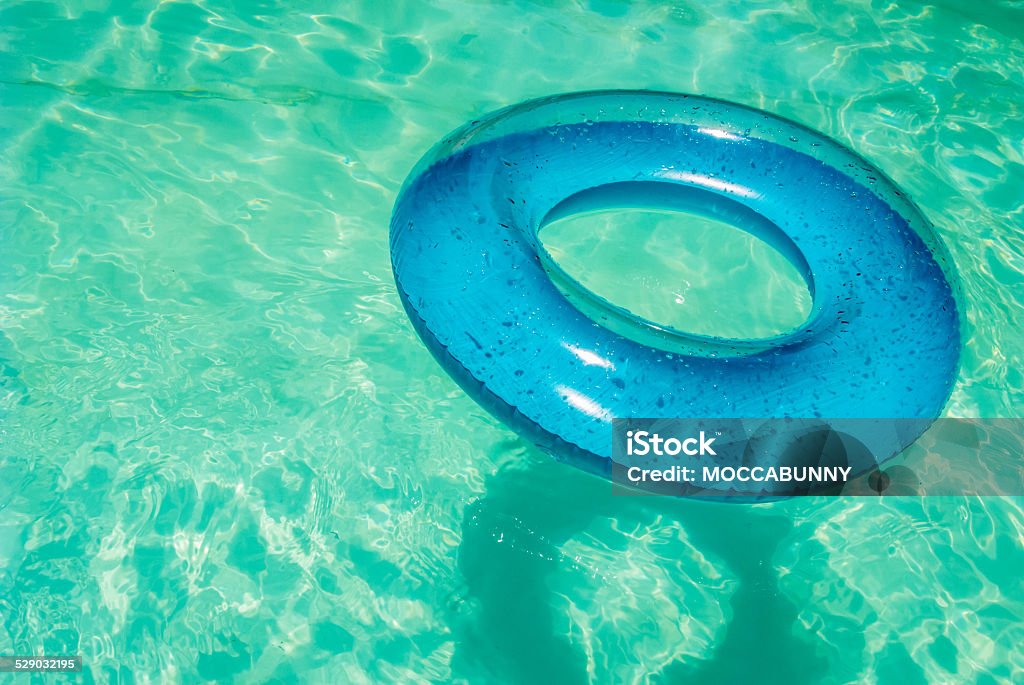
point(682, 259)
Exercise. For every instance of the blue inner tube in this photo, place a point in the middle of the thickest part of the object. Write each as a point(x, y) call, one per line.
point(882, 340)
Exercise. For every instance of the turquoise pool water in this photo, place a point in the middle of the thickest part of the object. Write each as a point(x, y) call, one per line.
point(225, 455)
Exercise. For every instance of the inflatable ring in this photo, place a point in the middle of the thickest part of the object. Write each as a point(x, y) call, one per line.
point(557, 363)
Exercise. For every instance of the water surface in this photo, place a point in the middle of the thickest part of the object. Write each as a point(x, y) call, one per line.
point(224, 453)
